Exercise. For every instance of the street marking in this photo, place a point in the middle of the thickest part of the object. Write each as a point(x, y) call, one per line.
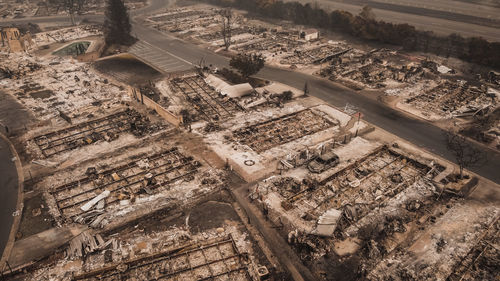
point(177, 57)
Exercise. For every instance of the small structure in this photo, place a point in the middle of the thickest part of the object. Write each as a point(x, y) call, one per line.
point(494, 77)
point(237, 91)
point(309, 34)
point(15, 41)
point(327, 222)
point(226, 89)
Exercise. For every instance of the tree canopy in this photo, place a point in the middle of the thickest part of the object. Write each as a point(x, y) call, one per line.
point(247, 64)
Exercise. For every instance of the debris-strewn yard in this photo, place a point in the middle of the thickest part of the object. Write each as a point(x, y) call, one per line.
point(49, 86)
point(11, 9)
point(99, 162)
point(146, 252)
point(135, 174)
point(417, 84)
point(381, 212)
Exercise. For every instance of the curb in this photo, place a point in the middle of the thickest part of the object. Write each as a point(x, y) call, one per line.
point(20, 199)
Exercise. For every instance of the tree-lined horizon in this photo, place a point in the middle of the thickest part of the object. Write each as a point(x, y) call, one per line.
point(366, 26)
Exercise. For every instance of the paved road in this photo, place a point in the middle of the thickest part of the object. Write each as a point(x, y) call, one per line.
point(9, 192)
point(440, 16)
point(158, 57)
point(429, 19)
point(15, 116)
point(416, 131)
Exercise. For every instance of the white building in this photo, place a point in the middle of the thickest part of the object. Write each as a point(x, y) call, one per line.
point(309, 34)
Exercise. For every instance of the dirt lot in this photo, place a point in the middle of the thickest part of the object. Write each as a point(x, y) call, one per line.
point(127, 69)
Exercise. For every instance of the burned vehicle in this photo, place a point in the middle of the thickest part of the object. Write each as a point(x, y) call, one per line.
point(323, 162)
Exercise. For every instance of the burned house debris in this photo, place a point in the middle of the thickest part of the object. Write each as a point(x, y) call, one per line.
point(219, 258)
point(14, 40)
point(210, 104)
point(107, 128)
point(271, 133)
point(115, 185)
point(135, 169)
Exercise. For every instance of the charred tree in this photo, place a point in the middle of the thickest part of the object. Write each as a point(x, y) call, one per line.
point(72, 7)
point(117, 25)
point(227, 21)
point(465, 153)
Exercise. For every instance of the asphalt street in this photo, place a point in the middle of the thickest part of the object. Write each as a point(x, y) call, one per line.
point(159, 45)
point(15, 116)
point(9, 190)
point(416, 131)
point(161, 59)
point(483, 22)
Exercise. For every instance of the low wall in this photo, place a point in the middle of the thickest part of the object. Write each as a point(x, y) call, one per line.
point(165, 114)
point(93, 55)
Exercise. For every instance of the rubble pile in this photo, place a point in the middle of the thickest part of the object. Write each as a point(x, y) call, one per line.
point(66, 34)
point(482, 260)
point(451, 251)
point(12, 9)
point(18, 69)
point(107, 128)
point(86, 243)
point(280, 45)
point(87, 200)
point(274, 132)
point(173, 253)
point(316, 55)
point(383, 174)
point(197, 24)
point(370, 206)
point(50, 85)
point(210, 104)
point(453, 98)
point(377, 68)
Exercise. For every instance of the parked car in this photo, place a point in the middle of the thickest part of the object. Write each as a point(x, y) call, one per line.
point(323, 162)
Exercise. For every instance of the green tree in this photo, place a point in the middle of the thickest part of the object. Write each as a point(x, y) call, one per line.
point(117, 25)
point(247, 64)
